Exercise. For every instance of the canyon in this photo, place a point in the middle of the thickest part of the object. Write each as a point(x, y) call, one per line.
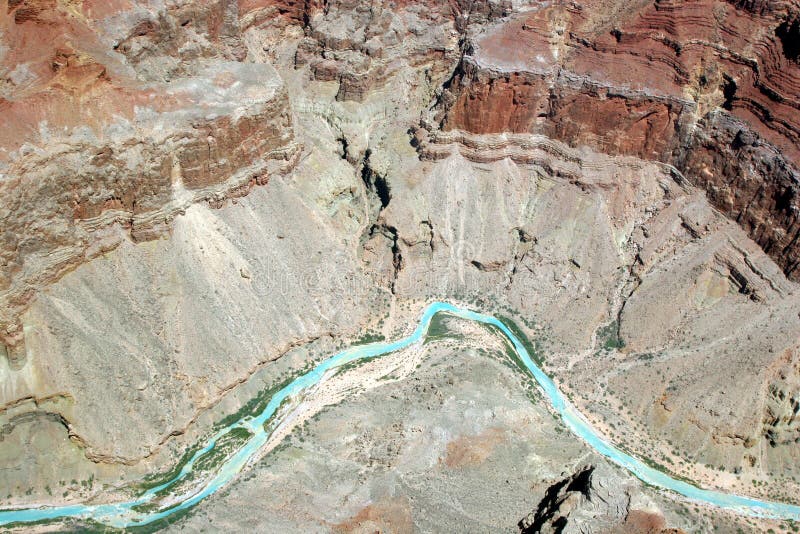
point(199, 199)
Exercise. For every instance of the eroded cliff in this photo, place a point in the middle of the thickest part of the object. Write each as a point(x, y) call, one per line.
point(110, 138)
point(710, 87)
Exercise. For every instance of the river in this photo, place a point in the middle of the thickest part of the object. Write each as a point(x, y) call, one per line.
point(131, 514)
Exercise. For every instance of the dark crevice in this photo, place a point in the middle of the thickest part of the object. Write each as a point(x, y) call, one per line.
point(525, 243)
point(637, 281)
point(692, 231)
point(618, 325)
point(740, 281)
point(785, 199)
point(375, 182)
point(744, 138)
point(397, 257)
point(378, 196)
point(788, 248)
point(582, 482)
point(525, 237)
point(382, 188)
point(792, 267)
point(789, 35)
point(390, 232)
point(430, 233)
point(728, 92)
point(344, 145)
point(306, 15)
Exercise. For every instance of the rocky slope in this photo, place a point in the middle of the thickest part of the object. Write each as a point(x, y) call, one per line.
point(111, 138)
point(580, 502)
point(196, 195)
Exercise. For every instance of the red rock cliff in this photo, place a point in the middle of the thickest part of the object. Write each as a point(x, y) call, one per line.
point(712, 87)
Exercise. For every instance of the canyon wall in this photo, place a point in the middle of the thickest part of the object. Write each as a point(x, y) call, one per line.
point(710, 87)
point(122, 115)
point(117, 118)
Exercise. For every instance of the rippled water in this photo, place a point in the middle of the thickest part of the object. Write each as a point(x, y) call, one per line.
point(124, 515)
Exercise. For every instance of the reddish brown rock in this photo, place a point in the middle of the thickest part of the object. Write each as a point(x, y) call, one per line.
point(579, 112)
point(669, 80)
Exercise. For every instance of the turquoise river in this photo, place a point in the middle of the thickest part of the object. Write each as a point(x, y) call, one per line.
point(132, 513)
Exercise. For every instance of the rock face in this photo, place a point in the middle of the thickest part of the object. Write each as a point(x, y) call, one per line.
point(581, 503)
point(110, 139)
point(782, 407)
point(710, 87)
point(559, 501)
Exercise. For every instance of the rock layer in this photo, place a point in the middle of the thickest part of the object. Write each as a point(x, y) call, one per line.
point(106, 141)
point(709, 86)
